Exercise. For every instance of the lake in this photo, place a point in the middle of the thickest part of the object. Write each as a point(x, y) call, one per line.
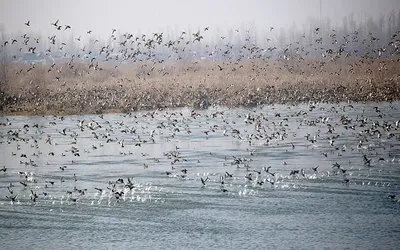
point(311, 176)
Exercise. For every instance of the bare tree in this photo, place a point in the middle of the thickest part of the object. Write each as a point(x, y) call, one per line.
point(4, 61)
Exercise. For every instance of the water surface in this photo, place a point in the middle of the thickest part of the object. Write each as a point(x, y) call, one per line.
point(167, 153)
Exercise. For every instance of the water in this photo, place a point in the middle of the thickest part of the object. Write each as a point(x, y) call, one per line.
point(165, 154)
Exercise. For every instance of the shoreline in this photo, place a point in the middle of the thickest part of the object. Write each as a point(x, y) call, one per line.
point(288, 95)
point(196, 85)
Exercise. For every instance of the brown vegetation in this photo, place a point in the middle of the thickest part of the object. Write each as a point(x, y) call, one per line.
point(77, 89)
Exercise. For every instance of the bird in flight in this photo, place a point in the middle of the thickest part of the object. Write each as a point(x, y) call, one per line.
point(55, 23)
point(28, 23)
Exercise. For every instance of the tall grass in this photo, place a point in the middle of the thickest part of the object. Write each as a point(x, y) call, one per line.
point(71, 88)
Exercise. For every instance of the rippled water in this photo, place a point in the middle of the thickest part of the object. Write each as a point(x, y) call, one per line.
point(166, 155)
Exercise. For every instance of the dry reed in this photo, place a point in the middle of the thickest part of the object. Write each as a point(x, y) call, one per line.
point(76, 89)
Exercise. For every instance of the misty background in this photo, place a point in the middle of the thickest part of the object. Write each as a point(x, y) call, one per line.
point(89, 26)
point(158, 15)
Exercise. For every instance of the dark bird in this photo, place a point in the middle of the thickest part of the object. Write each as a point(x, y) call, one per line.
point(222, 179)
point(55, 23)
point(28, 23)
point(51, 182)
point(130, 185)
point(257, 171)
point(271, 182)
point(34, 196)
point(12, 198)
point(267, 169)
point(366, 160)
point(118, 195)
point(204, 180)
point(120, 181)
point(228, 175)
point(248, 177)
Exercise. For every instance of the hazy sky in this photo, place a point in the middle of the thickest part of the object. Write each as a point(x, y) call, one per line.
point(156, 15)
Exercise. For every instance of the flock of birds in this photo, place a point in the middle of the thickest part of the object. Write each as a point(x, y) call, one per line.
point(155, 49)
point(78, 61)
point(148, 160)
point(53, 153)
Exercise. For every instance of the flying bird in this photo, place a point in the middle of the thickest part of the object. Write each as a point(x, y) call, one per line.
point(55, 23)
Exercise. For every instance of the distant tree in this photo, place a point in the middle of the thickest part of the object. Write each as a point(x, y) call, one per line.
point(4, 62)
point(292, 32)
point(380, 31)
point(281, 38)
point(71, 44)
point(390, 24)
point(345, 29)
point(398, 21)
point(352, 22)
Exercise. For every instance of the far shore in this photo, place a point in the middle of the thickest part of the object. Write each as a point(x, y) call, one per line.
point(198, 85)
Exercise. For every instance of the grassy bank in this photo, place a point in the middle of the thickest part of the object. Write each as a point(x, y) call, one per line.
point(77, 89)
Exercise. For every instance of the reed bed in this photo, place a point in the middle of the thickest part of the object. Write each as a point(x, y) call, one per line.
point(78, 89)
